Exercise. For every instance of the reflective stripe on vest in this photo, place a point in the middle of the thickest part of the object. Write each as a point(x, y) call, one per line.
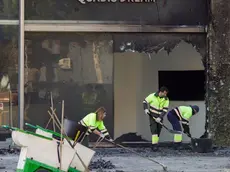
point(155, 110)
point(83, 123)
point(90, 129)
point(178, 113)
point(183, 120)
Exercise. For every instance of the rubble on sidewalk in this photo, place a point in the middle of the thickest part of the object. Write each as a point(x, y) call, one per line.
point(118, 160)
point(9, 151)
point(101, 164)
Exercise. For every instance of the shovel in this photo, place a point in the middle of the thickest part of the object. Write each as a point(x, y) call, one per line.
point(170, 130)
point(201, 145)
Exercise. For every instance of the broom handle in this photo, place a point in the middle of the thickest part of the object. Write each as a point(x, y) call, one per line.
point(135, 152)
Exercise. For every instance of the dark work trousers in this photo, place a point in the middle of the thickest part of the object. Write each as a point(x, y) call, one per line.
point(85, 142)
point(174, 120)
point(81, 135)
point(155, 127)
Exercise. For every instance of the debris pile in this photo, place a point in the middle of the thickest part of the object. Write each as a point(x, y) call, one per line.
point(9, 151)
point(101, 164)
point(102, 152)
point(164, 150)
point(130, 137)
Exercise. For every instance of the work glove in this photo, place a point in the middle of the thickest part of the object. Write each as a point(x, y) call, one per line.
point(158, 120)
point(162, 115)
point(109, 138)
point(147, 112)
point(102, 136)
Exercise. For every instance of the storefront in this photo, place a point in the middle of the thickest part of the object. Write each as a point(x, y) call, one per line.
point(90, 59)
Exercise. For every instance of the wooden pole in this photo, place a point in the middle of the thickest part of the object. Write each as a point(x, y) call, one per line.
point(52, 106)
point(62, 119)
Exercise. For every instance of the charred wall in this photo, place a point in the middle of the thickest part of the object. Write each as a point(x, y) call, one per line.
point(218, 68)
point(84, 87)
point(149, 43)
point(71, 84)
point(164, 12)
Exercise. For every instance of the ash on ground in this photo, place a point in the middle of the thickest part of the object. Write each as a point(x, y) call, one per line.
point(165, 151)
point(9, 151)
point(120, 160)
point(101, 164)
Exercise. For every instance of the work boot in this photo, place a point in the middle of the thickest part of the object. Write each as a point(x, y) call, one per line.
point(154, 148)
point(177, 146)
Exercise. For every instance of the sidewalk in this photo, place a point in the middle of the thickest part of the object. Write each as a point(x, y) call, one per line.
point(6, 144)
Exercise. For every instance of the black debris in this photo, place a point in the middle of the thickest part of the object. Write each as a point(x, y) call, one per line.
point(130, 137)
point(111, 151)
point(101, 164)
point(169, 151)
point(9, 151)
point(101, 170)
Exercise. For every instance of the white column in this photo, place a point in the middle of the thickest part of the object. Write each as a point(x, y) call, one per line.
point(21, 63)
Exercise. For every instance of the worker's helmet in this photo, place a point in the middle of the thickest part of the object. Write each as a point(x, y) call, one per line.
point(196, 108)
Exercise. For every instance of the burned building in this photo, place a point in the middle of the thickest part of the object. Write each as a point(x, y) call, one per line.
point(120, 52)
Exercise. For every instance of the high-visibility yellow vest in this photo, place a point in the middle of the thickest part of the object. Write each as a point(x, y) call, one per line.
point(157, 104)
point(184, 113)
point(92, 123)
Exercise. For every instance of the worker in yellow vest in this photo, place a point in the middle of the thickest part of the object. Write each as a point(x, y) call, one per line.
point(93, 122)
point(181, 115)
point(156, 106)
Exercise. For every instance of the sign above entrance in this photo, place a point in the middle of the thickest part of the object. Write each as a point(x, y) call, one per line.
point(115, 1)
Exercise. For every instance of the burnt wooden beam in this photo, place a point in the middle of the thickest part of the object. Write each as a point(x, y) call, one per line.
point(108, 26)
point(103, 26)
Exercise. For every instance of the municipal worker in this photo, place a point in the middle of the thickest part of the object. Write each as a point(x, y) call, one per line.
point(156, 106)
point(181, 115)
point(93, 122)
